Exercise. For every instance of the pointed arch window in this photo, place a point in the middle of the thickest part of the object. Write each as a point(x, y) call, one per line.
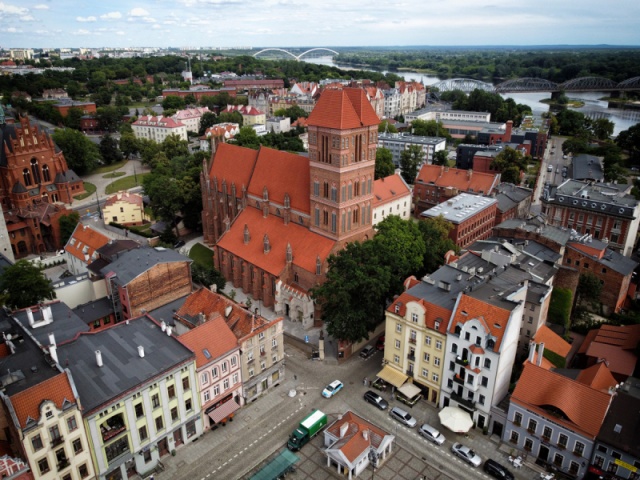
point(35, 170)
point(45, 173)
point(27, 176)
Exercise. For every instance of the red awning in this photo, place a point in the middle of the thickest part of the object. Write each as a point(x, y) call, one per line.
point(223, 411)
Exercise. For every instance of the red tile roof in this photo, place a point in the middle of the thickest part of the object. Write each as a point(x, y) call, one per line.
point(552, 341)
point(495, 319)
point(354, 443)
point(432, 314)
point(463, 180)
point(616, 345)
point(343, 109)
point(213, 335)
point(282, 172)
point(597, 376)
point(27, 402)
point(234, 165)
point(126, 197)
point(85, 236)
point(583, 406)
point(306, 245)
point(388, 189)
point(159, 121)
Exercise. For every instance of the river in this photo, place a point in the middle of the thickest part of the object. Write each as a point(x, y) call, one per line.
point(593, 106)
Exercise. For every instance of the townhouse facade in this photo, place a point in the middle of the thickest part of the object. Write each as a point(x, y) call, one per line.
point(124, 208)
point(158, 128)
point(190, 117)
point(81, 248)
point(250, 115)
point(392, 197)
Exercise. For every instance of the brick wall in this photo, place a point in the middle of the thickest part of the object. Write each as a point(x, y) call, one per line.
point(161, 284)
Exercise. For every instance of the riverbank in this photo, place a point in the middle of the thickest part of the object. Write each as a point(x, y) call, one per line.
point(570, 103)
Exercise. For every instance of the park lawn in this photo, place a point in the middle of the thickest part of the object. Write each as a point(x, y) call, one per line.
point(124, 183)
point(114, 174)
point(90, 190)
point(202, 255)
point(110, 168)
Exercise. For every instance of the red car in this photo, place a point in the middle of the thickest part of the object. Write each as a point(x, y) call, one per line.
point(380, 343)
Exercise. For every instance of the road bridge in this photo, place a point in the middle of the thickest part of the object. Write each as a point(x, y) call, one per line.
point(293, 55)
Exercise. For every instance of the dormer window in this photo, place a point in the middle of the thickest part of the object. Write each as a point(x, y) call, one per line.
point(490, 344)
point(458, 330)
point(397, 308)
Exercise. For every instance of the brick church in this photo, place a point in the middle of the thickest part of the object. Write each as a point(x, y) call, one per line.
point(273, 218)
point(35, 183)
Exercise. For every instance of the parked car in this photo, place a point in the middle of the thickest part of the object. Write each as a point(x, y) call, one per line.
point(178, 244)
point(380, 343)
point(331, 389)
point(496, 470)
point(374, 399)
point(367, 351)
point(466, 454)
point(403, 417)
point(431, 434)
point(549, 168)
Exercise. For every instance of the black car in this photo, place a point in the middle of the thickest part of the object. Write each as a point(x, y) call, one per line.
point(374, 399)
point(496, 470)
point(367, 351)
point(178, 244)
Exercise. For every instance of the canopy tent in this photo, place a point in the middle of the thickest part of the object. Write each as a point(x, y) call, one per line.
point(409, 390)
point(392, 376)
point(455, 419)
point(223, 411)
point(276, 468)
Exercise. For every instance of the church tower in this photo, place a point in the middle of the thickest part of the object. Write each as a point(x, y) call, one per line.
point(343, 135)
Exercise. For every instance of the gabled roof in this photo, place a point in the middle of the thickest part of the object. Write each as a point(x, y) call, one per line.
point(233, 165)
point(281, 173)
point(621, 426)
point(355, 442)
point(27, 402)
point(583, 407)
point(605, 256)
point(133, 263)
point(597, 376)
point(306, 245)
point(552, 341)
point(614, 344)
point(433, 312)
point(159, 121)
point(84, 242)
point(463, 180)
point(210, 341)
point(124, 197)
point(389, 189)
point(495, 319)
point(343, 109)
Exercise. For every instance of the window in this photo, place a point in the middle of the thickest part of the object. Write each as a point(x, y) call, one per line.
point(142, 433)
point(532, 425)
point(204, 378)
point(454, 348)
point(436, 361)
point(484, 381)
point(438, 345)
point(234, 360)
point(188, 405)
point(155, 400)
point(397, 343)
point(77, 446)
point(174, 414)
point(578, 449)
point(43, 466)
point(414, 317)
point(54, 432)
point(487, 363)
point(427, 340)
point(83, 471)
point(224, 367)
point(599, 461)
point(225, 384)
point(235, 378)
point(558, 460)
point(425, 373)
point(517, 418)
point(396, 359)
point(399, 327)
point(427, 357)
point(159, 424)
point(562, 440)
point(530, 320)
point(139, 410)
point(515, 436)
point(470, 379)
point(547, 432)
point(171, 391)
point(146, 456)
point(216, 390)
point(574, 468)
point(207, 396)
point(481, 399)
point(435, 377)
point(452, 366)
point(528, 444)
point(185, 383)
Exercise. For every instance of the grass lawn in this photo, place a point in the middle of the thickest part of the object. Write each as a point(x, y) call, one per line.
point(114, 174)
point(90, 190)
point(124, 183)
point(110, 168)
point(202, 255)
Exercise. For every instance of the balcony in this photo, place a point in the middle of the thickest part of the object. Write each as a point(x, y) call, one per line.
point(111, 432)
point(55, 441)
point(263, 353)
point(462, 362)
point(458, 379)
point(412, 341)
point(463, 401)
point(411, 357)
point(62, 464)
point(251, 360)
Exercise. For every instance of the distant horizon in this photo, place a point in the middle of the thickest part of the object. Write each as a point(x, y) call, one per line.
point(196, 23)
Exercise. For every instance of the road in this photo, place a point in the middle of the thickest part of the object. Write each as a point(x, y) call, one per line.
point(554, 157)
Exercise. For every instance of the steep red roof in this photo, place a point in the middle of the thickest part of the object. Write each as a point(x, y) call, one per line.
point(306, 245)
point(234, 165)
point(84, 242)
point(354, 443)
point(597, 376)
point(552, 341)
point(432, 314)
point(282, 172)
point(133, 198)
point(495, 319)
point(616, 345)
point(388, 189)
point(159, 121)
point(343, 109)
point(589, 249)
point(583, 406)
point(463, 180)
point(214, 336)
point(27, 402)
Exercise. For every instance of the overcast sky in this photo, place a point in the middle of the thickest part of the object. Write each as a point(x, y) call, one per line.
point(279, 23)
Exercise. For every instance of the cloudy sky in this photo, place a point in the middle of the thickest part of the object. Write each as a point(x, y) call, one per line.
point(228, 23)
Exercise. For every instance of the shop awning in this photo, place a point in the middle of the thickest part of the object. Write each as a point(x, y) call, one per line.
point(223, 411)
point(392, 376)
point(409, 390)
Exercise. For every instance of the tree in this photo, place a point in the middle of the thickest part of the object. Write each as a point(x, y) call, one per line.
point(207, 276)
point(571, 123)
point(435, 233)
point(574, 146)
point(110, 118)
point(384, 163)
point(82, 154)
point(353, 297)
point(247, 137)
point(294, 112)
point(441, 157)
point(629, 140)
point(24, 285)
point(510, 162)
point(207, 120)
point(173, 102)
point(429, 128)
point(174, 146)
point(129, 144)
point(385, 126)
point(68, 224)
point(72, 120)
point(602, 128)
point(589, 289)
point(230, 117)
point(410, 160)
point(109, 150)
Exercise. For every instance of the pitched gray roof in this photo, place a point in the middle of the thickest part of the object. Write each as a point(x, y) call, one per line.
point(135, 262)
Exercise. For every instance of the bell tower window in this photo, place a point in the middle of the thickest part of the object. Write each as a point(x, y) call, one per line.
point(27, 176)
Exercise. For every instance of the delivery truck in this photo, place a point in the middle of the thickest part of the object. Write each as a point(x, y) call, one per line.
point(307, 429)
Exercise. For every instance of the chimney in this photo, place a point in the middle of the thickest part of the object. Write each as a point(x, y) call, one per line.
point(30, 315)
point(53, 350)
point(532, 351)
point(141, 351)
point(343, 429)
point(99, 358)
point(469, 174)
point(507, 135)
point(540, 354)
point(213, 287)
point(365, 434)
point(46, 313)
point(168, 330)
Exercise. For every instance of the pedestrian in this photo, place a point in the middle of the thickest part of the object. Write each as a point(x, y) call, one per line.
point(295, 377)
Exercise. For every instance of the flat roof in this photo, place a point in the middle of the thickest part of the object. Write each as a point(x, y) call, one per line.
point(414, 139)
point(460, 208)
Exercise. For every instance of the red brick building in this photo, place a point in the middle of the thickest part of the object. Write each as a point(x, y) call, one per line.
point(63, 106)
point(35, 183)
point(254, 84)
point(275, 217)
point(198, 93)
point(472, 217)
point(436, 184)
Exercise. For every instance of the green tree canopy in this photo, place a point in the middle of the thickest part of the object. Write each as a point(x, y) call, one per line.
point(441, 157)
point(173, 102)
point(109, 150)
point(429, 128)
point(247, 137)
point(410, 160)
point(510, 162)
point(294, 112)
point(129, 144)
point(207, 120)
point(602, 128)
point(24, 285)
point(629, 140)
point(82, 154)
point(68, 224)
point(435, 233)
point(384, 163)
point(385, 126)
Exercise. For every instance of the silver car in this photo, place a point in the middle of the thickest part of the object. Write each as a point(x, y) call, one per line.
point(431, 434)
point(403, 417)
point(466, 454)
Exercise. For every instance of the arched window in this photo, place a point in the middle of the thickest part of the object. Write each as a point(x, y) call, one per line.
point(27, 176)
point(45, 173)
point(35, 170)
point(487, 363)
